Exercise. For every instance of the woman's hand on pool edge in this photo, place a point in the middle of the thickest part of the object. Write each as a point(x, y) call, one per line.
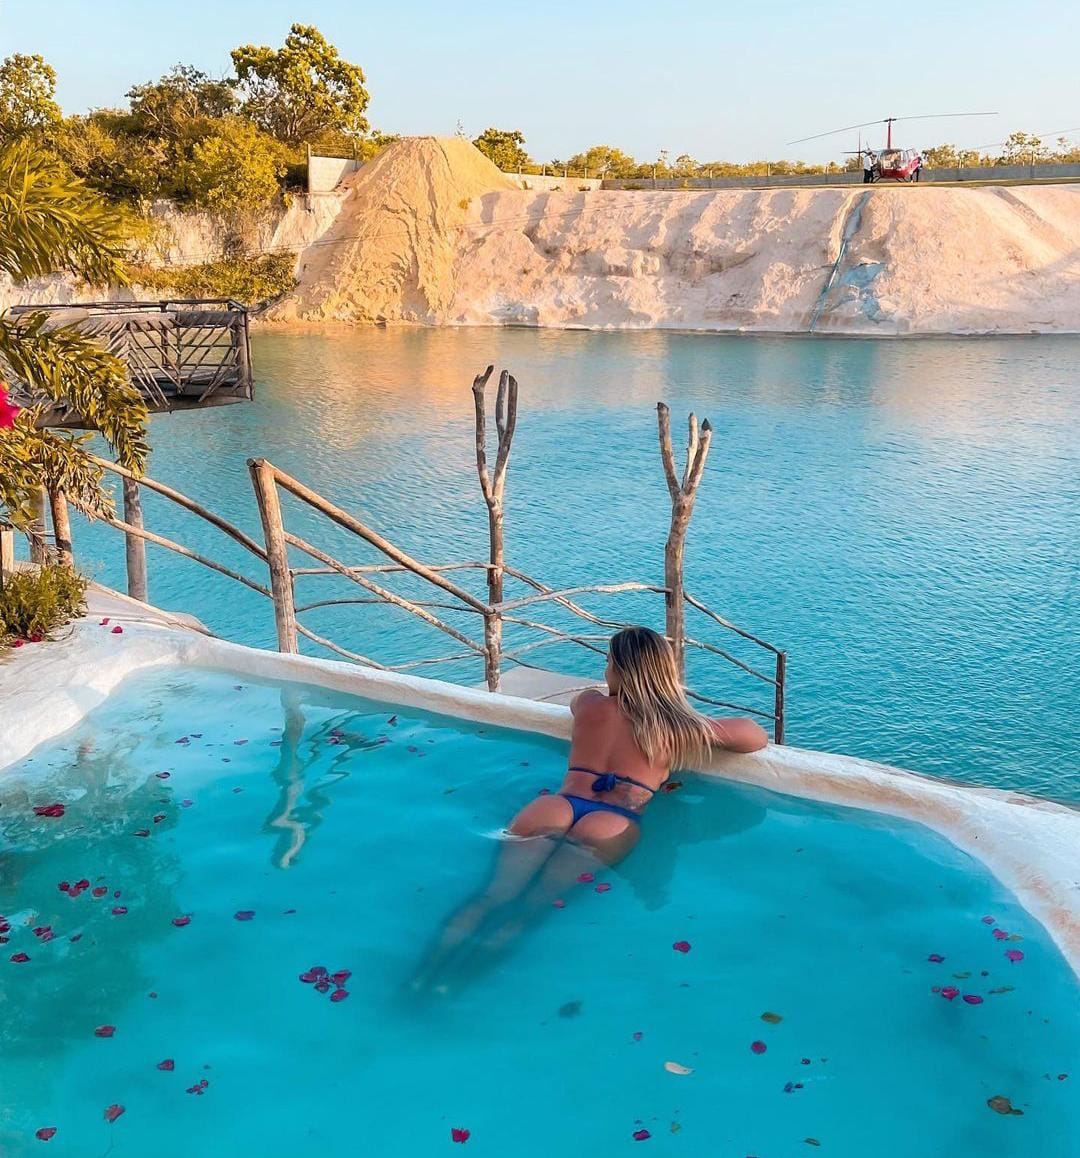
point(740, 734)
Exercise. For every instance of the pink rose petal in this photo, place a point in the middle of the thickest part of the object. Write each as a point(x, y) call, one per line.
point(681, 946)
point(936, 958)
point(758, 1046)
point(309, 978)
point(641, 1135)
point(586, 879)
point(459, 1135)
point(949, 992)
point(100, 891)
point(603, 888)
point(168, 1065)
point(1000, 935)
point(19, 958)
point(104, 622)
point(113, 1112)
point(118, 630)
point(119, 910)
point(323, 985)
point(45, 1133)
point(63, 886)
point(339, 994)
point(180, 922)
point(340, 977)
point(973, 999)
point(1014, 955)
point(105, 1031)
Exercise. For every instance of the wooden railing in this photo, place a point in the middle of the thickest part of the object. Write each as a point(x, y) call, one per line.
point(521, 612)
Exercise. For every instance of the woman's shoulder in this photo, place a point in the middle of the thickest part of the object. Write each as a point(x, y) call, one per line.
point(591, 704)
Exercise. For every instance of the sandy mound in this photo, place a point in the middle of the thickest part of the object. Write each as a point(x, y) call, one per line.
point(391, 252)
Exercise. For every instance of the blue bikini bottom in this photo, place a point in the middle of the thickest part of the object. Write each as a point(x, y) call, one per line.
point(582, 806)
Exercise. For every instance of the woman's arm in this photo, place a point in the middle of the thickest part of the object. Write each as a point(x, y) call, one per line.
point(739, 734)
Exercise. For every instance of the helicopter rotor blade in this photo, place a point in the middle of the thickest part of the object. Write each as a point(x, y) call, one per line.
point(885, 120)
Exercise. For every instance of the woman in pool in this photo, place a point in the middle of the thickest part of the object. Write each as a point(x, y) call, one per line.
point(623, 747)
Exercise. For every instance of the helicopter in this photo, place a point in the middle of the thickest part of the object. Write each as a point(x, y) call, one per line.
point(893, 164)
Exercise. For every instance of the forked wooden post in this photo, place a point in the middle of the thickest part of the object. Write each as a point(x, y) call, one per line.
point(682, 507)
point(36, 532)
point(61, 525)
point(493, 486)
point(277, 553)
point(134, 547)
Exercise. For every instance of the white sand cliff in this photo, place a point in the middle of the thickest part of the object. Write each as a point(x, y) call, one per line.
point(431, 232)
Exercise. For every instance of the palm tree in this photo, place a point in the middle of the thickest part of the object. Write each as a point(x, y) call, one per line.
point(51, 223)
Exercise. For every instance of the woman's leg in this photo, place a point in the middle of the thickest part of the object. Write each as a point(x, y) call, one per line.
point(531, 843)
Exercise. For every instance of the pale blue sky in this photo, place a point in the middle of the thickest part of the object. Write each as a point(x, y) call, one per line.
point(717, 81)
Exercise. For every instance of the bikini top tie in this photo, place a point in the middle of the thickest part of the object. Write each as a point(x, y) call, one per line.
point(606, 781)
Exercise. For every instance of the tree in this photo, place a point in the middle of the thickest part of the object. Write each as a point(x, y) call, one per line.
point(164, 107)
point(27, 96)
point(233, 169)
point(1021, 149)
point(51, 223)
point(613, 162)
point(505, 148)
point(296, 92)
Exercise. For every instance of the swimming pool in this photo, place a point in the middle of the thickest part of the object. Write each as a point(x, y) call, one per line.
point(901, 515)
point(245, 832)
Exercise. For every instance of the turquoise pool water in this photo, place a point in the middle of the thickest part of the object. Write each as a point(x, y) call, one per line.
point(904, 517)
point(298, 828)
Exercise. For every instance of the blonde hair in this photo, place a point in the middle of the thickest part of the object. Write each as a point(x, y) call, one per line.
point(651, 693)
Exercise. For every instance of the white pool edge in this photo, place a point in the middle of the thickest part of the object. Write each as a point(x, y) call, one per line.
point(1031, 845)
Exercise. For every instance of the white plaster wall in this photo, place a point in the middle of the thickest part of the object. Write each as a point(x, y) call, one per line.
point(1031, 845)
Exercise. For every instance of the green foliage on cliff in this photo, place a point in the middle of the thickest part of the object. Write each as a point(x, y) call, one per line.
point(505, 148)
point(252, 281)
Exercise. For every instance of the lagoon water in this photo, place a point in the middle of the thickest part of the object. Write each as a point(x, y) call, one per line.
point(902, 516)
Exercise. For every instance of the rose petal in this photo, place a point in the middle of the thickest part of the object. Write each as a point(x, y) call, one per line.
point(973, 999)
point(322, 985)
point(105, 1031)
point(1000, 935)
point(104, 622)
point(340, 977)
point(100, 891)
point(638, 1035)
point(936, 958)
point(988, 920)
point(118, 630)
point(63, 886)
point(168, 1065)
point(113, 1112)
point(338, 994)
point(641, 1135)
point(1014, 955)
point(558, 904)
point(180, 922)
point(119, 910)
point(244, 915)
point(681, 946)
point(52, 810)
point(141, 832)
point(159, 817)
point(586, 879)
point(309, 978)
point(949, 992)
point(603, 888)
point(459, 1135)
point(45, 1133)
point(758, 1046)
point(163, 775)
point(19, 958)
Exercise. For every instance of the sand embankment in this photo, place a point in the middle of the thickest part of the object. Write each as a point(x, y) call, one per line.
point(431, 232)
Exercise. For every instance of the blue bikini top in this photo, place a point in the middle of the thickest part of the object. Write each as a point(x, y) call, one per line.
point(606, 781)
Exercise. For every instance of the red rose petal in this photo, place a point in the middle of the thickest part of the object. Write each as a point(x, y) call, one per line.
point(936, 958)
point(119, 910)
point(309, 978)
point(63, 886)
point(340, 977)
point(49, 810)
point(244, 915)
point(459, 1135)
point(320, 971)
point(323, 985)
point(603, 888)
point(180, 922)
point(168, 1065)
point(105, 1031)
point(104, 622)
point(1000, 935)
point(681, 946)
point(949, 992)
point(19, 958)
point(118, 630)
point(100, 891)
point(641, 1135)
point(45, 1133)
point(1014, 955)
point(113, 1112)
point(758, 1046)
point(586, 879)
point(973, 999)
point(338, 994)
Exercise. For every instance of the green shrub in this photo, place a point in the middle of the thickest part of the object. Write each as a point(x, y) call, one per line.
point(34, 603)
point(252, 281)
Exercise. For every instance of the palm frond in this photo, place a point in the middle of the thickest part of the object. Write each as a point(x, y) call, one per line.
point(50, 222)
point(66, 366)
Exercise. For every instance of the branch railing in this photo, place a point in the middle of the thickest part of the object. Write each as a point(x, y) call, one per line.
point(446, 595)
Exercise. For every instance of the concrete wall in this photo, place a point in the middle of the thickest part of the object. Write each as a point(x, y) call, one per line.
point(571, 183)
point(324, 174)
point(987, 173)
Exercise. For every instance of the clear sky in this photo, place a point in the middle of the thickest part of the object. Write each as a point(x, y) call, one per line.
point(715, 80)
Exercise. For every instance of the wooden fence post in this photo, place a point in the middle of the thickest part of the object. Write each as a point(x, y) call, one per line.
point(134, 547)
point(682, 507)
point(493, 488)
point(277, 553)
point(36, 533)
point(7, 551)
point(778, 703)
point(61, 526)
